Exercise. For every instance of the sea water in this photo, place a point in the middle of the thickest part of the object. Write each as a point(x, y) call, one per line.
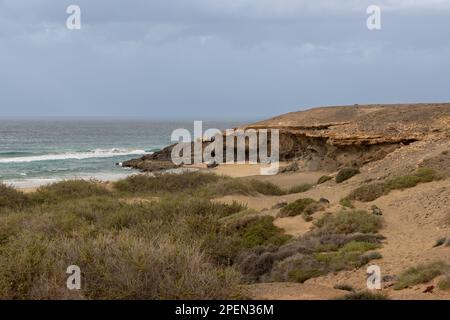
point(37, 152)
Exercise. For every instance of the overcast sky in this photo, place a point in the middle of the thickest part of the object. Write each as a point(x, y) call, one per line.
point(218, 58)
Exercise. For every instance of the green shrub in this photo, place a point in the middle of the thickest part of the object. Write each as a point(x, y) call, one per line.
point(297, 207)
point(403, 182)
point(126, 250)
point(262, 231)
point(347, 203)
point(344, 287)
point(114, 266)
point(301, 275)
point(201, 184)
point(370, 192)
point(68, 190)
point(301, 266)
point(314, 254)
point(444, 284)
point(365, 295)
point(12, 199)
point(427, 175)
point(266, 188)
point(297, 268)
point(167, 182)
point(226, 244)
point(420, 274)
point(324, 179)
point(348, 257)
point(226, 186)
point(346, 222)
point(249, 187)
point(422, 175)
point(346, 173)
point(300, 188)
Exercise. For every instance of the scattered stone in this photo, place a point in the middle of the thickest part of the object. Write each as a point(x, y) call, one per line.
point(212, 164)
point(388, 281)
point(290, 168)
point(389, 278)
point(150, 165)
point(440, 242)
point(429, 289)
point(376, 211)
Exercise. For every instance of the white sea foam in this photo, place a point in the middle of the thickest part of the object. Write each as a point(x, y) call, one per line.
point(98, 153)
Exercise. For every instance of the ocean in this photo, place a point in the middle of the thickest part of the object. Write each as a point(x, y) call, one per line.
point(37, 152)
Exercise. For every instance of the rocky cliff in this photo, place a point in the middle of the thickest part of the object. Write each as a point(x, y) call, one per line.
point(332, 137)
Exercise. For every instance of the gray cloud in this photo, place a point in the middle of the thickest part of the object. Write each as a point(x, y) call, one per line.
point(205, 58)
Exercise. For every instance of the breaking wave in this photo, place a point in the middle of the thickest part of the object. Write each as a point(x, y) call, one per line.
point(98, 153)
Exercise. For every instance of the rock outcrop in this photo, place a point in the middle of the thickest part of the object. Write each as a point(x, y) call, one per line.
point(333, 137)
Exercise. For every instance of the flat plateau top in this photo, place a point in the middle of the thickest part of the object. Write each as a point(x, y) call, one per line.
point(367, 122)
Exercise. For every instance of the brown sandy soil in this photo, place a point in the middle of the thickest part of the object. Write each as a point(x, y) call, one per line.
point(287, 180)
point(239, 170)
point(413, 222)
point(295, 226)
point(291, 291)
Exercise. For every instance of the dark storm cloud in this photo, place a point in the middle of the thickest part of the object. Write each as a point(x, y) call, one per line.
point(215, 58)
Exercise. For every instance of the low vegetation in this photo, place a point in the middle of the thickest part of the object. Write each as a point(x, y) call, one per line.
point(346, 173)
point(346, 203)
point(421, 274)
point(365, 295)
point(158, 183)
point(68, 190)
point(124, 239)
point(324, 179)
point(203, 184)
point(242, 234)
point(347, 222)
point(305, 207)
point(341, 241)
point(124, 244)
point(123, 247)
point(370, 192)
point(300, 188)
point(344, 287)
point(444, 284)
point(10, 198)
point(422, 175)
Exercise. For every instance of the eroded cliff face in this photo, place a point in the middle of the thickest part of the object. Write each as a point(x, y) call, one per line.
point(321, 153)
point(333, 137)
